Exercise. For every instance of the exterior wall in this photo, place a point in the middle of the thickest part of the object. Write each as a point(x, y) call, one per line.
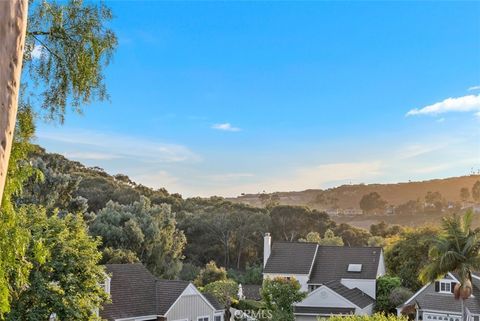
point(366, 285)
point(381, 265)
point(190, 307)
point(301, 278)
point(324, 297)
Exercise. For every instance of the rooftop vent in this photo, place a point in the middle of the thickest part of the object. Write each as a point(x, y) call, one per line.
point(354, 268)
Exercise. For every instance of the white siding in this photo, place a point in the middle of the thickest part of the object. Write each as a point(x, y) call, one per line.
point(324, 297)
point(381, 265)
point(305, 318)
point(301, 278)
point(190, 307)
point(366, 285)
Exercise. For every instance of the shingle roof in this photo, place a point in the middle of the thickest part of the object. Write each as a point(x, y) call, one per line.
point(355, 295)
point(168, 292)
point(321, 310)
point(213, 301)
point(132, 288)
point(428, 299)
point(332, 263)
point(291, 257)
point(136, 292)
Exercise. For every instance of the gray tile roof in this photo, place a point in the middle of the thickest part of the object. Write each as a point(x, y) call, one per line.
point(428, 299)
point(331, 263)
point(132, 290)
point(291, 257)
point(168, 291)
point(322, 310)
point(213, 301)
point(136, 292)
point(355, 295)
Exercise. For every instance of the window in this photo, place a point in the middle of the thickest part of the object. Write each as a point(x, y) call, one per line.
point(445, 287)
point(354, 268)
point(217, 318)
point(203, 318)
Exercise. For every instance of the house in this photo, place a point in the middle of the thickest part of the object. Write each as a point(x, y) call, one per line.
point(352, 212)
point(338, 279)
point(137, 295)
point(435, 301)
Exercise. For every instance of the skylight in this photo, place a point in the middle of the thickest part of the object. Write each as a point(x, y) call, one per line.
point(354, 268)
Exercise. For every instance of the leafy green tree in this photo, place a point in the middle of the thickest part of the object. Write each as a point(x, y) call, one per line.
point(464, 194)
point(385, 285)
point(149, 231)
point(372, 202)
point(211, 273)
point(14, 236)
point(406, 257)
point(476, 191)
point(456, 249)
point(75, 46)
point(65, 278)
point(225, 291)
point(328, 239)
point(189, 272)
point(399, 295)
point(291, 223)
point(352, 236)
point(118, 256)
point(376, 241)
point(279, 295)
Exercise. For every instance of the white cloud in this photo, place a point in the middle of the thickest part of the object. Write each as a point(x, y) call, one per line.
point(89, 144)
point(470, 103)
point(38, 51)
point(474, 88)
point(226, 127)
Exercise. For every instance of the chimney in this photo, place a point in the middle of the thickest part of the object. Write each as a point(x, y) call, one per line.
point(267, 248)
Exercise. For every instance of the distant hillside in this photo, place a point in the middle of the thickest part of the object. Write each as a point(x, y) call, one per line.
point(348, 196)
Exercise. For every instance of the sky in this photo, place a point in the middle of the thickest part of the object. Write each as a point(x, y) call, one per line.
point(224, 98)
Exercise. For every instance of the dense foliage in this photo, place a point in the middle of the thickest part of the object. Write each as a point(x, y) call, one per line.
point(279, 295)
point(147, 230)
point(65, 278)
point(374, 317)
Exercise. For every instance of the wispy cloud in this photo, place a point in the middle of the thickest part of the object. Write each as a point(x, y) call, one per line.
point(98, 145)
point(470, 103)
point(226, 127)
point(474, 88)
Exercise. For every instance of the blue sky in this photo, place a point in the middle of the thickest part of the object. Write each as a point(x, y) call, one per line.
point(223, 98)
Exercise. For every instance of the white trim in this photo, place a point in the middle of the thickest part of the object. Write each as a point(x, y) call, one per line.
point(453, 277)
point(181, 320)
point(415, 295)
point(201, 318)
point(142, 318)
point(333, 292)
point(217, 315)
point(313, 261)
point(197, 293)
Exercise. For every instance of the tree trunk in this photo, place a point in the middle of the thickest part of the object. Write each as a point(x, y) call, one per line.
point(13, 26)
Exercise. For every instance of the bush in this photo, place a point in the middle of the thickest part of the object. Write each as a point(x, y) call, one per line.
point(400, 295)
point(375, 317)
point(385, 285)
point(211, 273)
point(189, 272)
point(250, 305)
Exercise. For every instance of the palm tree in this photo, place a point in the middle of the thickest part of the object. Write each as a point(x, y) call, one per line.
point(456, 250)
